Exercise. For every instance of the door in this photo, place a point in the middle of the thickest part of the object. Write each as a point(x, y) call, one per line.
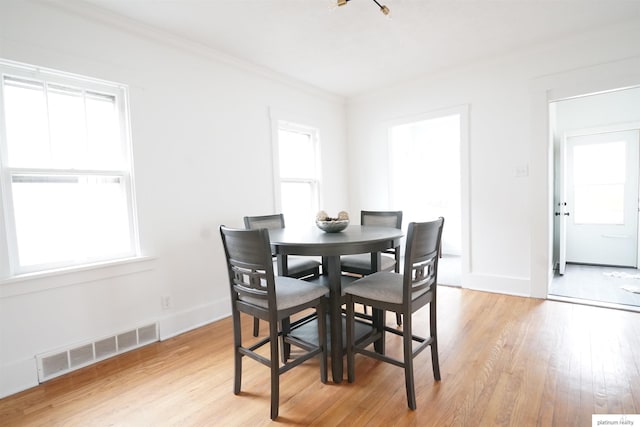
point(601, 195)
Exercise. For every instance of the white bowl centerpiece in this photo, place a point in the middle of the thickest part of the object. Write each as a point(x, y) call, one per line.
point(332, 225)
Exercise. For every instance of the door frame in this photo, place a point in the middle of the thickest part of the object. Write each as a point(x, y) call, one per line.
point(544, 90)
point(561, 164)
point(465, 177)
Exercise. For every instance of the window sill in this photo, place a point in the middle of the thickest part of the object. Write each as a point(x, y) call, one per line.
point(37, 282)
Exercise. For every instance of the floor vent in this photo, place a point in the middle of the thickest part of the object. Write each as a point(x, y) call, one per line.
point(54, 364)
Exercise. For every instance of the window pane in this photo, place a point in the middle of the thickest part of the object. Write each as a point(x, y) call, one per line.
point(70, 218)
point(600, 163)
point(67, 129)
point(599, 183)
point(297, 155)
point(56, 126)
point(26, 123)
point(298, 204)
point(599, 204)
point(105, 149)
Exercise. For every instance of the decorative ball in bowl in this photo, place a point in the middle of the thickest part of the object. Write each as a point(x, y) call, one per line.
point(332, 225)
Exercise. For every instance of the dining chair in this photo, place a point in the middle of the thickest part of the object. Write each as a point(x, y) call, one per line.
point(256, 291)
point(297, 266)
point(360, 264)
point(405, 294)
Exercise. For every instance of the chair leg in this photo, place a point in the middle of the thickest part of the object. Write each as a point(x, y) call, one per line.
point(408, 363)
point(434, 343)
point(256, 326)
point(350, 340)
point(322, 340)
point(379, 320)
point(286, 347)
point(237, 357)
point(275, 370)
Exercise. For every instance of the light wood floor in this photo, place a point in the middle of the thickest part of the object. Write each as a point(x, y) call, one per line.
point(504, 360)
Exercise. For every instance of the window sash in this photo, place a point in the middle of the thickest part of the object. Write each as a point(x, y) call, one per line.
point(68, 127)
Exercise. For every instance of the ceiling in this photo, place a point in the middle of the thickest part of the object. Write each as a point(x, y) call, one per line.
point(352, 49)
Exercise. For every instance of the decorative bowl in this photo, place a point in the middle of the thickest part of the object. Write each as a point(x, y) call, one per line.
point(333, 226)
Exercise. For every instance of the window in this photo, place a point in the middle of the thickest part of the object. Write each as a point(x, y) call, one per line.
point(298, 178)
point(65, 170)
point(599, 176)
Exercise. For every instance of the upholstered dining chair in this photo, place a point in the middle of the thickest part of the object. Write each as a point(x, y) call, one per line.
point(256, 291)
point(405, 294)
point(360, 264)
point(297, 266)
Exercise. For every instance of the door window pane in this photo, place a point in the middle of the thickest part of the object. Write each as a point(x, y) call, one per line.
point(599, 180)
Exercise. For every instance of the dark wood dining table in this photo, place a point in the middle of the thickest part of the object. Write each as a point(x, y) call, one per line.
point(312, 241)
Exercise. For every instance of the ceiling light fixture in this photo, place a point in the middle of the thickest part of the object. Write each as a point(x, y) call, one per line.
point(384, 9)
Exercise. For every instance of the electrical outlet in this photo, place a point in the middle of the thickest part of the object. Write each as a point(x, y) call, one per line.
point(165, 302)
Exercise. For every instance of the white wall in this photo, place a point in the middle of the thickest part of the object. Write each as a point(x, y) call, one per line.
point(600, 110)
point(202, 152)
point(509, 215)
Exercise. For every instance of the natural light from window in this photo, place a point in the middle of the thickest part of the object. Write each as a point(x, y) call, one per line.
point(425, 174)
point(599, 182)
point(68, 198)
point(298, 161)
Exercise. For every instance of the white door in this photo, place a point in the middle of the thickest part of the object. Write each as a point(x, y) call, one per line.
point(601, 189)
point(561, 211)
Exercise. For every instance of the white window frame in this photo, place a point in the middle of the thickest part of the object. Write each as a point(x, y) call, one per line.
point(9, 260)
point(315, 183)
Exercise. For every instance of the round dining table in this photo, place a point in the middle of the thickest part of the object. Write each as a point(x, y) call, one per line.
point(312, 241)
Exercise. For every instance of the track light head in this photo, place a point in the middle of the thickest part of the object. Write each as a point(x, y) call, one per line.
point(384, 9)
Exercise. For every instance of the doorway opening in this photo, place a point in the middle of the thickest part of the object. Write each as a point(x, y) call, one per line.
point(597, 198)
point(425, 181)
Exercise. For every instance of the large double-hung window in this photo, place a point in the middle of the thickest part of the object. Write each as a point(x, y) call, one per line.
point(65, 171)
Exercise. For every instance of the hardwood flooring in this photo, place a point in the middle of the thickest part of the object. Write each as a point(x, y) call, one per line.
point(504, 360)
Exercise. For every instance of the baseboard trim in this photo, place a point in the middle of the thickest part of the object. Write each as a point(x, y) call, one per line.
point(184, 321)
point(18, 376)
point(517, 286)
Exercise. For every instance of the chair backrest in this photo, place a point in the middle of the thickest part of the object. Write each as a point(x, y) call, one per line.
point(264, 221)
point(421, 257)
point(249, 264)
point(381, 218)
